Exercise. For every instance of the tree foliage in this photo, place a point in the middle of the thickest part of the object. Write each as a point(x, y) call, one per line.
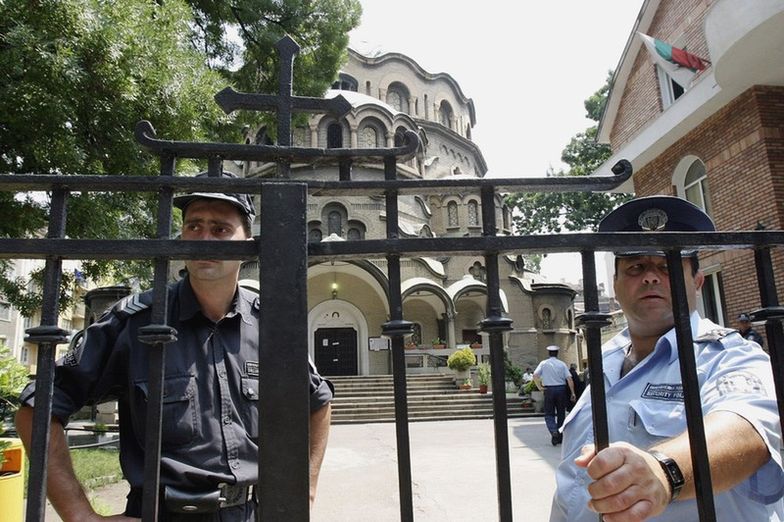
point(13, 377)
point(573, 211)
point(77, 75)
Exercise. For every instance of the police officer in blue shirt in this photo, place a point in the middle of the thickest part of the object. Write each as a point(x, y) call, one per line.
point(646, 473)
point(209, 462)
point(552, 376)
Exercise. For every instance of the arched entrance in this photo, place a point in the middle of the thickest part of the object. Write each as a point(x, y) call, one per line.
point(338, 339)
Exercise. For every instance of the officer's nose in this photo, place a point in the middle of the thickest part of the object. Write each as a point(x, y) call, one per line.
point(651, 276)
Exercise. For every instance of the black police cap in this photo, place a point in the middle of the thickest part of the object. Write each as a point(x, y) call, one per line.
point(744, 318)
point(656, 213)
point(243, 201)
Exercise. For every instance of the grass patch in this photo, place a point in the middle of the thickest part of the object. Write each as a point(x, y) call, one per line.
point(94, 467)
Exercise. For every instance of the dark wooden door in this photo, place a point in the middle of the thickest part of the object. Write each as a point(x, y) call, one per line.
point(336, 351)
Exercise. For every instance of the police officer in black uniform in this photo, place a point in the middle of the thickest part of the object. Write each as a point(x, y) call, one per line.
point(745, 329)
point(210, 412)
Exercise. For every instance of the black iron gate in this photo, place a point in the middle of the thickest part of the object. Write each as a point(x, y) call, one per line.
point(283, 254)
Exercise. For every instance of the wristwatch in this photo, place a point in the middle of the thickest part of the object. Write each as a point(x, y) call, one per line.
point(671, 471)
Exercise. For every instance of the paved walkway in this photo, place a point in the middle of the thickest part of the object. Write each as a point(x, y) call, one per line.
point(453, 473)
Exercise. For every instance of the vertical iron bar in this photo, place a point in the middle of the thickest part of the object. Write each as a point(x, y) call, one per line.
point(593, 321)
point(773, 328)
point(157, 361)
point(396, 328)
point(284, 406)
point(495, 324)
point(47, 336)
point(691, 388)
point(287, 51)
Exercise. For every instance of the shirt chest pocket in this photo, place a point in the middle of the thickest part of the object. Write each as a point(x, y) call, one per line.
point(250, 406)
point(657, 419)
point(180, 420)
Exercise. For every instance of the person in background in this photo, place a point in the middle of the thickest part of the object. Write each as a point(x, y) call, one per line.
point(552, 376)
point(578, 383)
point(745, 329)
point(646, 472)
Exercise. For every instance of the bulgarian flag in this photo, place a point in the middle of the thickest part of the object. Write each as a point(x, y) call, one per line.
point(681, 65)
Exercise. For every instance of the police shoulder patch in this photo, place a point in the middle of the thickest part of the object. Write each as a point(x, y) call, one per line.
point(714, 335)
point(131, 304)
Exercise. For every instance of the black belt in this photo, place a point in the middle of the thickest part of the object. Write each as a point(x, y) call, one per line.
point(187, 502)
point(556, 386)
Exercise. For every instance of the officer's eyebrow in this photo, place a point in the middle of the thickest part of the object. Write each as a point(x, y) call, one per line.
point(201, 220)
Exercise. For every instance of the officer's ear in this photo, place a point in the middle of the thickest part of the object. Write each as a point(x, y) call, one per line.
point(699, 280)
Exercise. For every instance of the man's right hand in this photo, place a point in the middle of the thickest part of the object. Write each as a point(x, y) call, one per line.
point(629, 484)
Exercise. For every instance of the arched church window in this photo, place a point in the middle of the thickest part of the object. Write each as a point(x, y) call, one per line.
point(354, 234)
point(445, 114)
point(314, 236)
point(473, 214)
point(451, 211)
point(334, 136)
point(393, 100)
point(368, 138)
point(335, 223)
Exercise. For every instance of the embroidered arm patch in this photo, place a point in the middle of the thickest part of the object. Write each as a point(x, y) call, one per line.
point(740, 382)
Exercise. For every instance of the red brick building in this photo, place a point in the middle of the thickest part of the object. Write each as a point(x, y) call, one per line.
point(718, 141)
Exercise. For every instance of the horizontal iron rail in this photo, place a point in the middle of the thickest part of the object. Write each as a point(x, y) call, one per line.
point(435, 247)
point(43, 182)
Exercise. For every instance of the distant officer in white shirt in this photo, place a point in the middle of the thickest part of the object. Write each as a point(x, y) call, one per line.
point(552, 375)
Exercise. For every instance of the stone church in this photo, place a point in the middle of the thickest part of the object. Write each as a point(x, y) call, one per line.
point(445, 296)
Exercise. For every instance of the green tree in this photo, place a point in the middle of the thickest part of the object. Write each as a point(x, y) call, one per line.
point(77, 75)
point(320, 27)
point(13, 377)
point(573, 211)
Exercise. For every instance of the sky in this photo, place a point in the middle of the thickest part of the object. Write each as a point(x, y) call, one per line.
point(528, 66)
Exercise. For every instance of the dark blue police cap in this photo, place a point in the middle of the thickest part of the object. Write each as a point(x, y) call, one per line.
point(656, 213)
point(243, 201)
point(744, 318)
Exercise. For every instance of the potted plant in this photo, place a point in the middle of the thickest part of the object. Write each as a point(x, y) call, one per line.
point(483, 376)
point(477, 344)
point(460, 361)
point(438, 343)
point(466, 385)
point(410, 345)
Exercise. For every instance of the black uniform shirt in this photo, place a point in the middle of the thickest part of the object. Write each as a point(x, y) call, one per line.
point(210, 410)
point(751, 335)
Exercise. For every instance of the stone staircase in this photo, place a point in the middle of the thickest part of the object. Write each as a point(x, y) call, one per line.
point(363, 399)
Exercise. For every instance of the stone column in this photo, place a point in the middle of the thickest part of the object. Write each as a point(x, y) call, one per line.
point(451, 338)
point(313, 136)
point(354, 137)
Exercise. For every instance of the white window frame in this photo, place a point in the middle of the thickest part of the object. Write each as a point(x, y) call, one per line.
point(679, 181)
point(712, 279)
point(666, 89)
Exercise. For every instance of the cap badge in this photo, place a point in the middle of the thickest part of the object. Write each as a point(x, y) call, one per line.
point(652, 219)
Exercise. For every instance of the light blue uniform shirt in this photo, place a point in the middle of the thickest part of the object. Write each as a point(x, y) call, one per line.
point(553, 372)
point(645, 407)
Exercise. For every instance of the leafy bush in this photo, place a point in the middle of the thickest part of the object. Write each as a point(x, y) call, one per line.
point(512, 373)
point(483, 374)
point(13, 377)
point(461, 360)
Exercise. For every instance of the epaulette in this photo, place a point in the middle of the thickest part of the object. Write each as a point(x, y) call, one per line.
point(131, 304)
point(714, 335)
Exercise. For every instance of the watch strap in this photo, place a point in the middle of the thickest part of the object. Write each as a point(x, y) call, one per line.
point(672, 471)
